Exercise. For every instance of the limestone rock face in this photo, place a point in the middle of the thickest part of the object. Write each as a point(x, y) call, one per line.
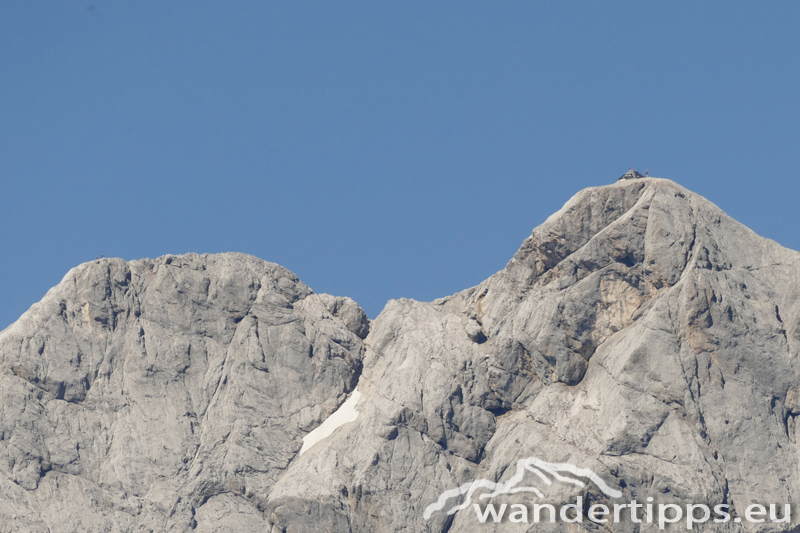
point(639, 332)
point(166, 395)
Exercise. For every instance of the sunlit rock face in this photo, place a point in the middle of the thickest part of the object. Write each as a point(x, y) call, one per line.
point(639, 332)
point(167, 394)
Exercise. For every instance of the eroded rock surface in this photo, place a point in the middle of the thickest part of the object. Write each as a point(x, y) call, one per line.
point(166, 395)
point(639, 332)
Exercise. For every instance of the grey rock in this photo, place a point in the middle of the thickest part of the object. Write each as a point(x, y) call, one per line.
point(349, 312)
point(166, 394)
point(475, 331)
point(639, 332)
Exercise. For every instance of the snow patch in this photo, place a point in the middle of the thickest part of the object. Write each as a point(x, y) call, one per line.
point(344, 414)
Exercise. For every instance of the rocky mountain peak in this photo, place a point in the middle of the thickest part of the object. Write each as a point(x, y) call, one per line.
point(638, 332)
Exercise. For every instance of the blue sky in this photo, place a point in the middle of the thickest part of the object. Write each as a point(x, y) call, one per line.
point(377, 149)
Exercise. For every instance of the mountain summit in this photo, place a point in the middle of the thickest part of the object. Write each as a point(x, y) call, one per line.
point(639, 334)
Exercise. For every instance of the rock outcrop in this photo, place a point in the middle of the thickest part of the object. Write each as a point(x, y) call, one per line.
point(166, 395)
point(639, 332)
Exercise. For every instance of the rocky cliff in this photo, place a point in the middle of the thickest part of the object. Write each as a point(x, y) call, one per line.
point(639, 333)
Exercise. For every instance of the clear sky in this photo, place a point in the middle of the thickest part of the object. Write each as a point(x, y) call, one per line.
point(378, 149)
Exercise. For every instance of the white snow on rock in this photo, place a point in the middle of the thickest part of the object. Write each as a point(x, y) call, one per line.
point(344, 414)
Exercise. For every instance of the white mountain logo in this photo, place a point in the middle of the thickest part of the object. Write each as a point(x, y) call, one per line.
point(546, 472)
